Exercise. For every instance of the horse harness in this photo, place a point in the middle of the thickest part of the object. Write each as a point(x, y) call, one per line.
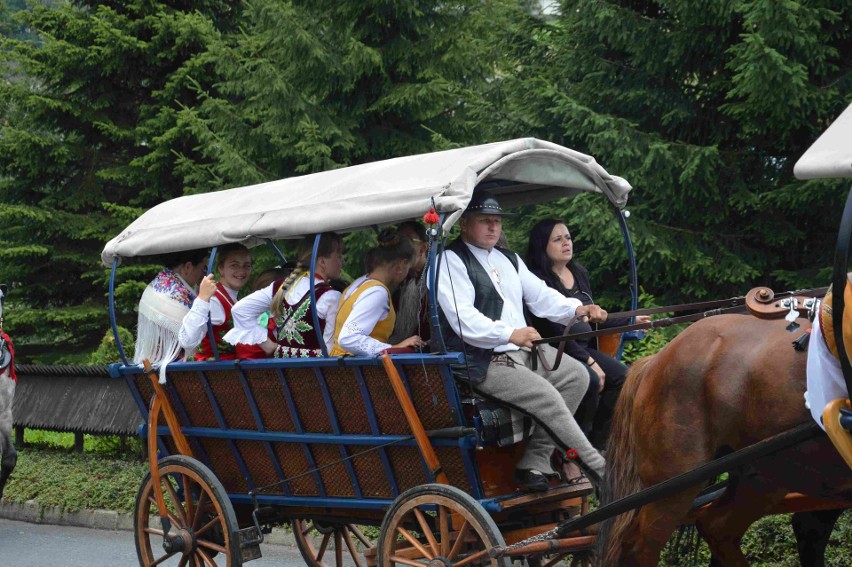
point(761, 302)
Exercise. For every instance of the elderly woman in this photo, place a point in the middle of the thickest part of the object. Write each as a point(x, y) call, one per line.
point(550, 256)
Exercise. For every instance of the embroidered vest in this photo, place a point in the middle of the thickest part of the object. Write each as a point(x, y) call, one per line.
point(226, 350)
point(381, 332)
point(294, 331)
point(487, 301)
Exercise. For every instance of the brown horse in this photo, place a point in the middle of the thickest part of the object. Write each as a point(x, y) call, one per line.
point(724, 383)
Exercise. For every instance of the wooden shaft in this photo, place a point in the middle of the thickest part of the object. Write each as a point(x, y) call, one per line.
point(153, 462)
point(555, 545)
point(423, 442)
point(168, 412)
point(160, 404)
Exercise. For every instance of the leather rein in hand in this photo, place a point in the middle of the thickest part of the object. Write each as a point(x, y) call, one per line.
point(761, 302)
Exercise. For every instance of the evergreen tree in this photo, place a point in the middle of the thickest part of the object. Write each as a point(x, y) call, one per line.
point(704, 107)
point(82, 153)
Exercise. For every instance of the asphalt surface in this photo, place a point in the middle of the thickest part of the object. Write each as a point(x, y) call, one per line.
point(44, 545)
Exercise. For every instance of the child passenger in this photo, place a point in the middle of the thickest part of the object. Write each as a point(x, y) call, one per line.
point(217, 299)
point(366, 316)
point(288, 301)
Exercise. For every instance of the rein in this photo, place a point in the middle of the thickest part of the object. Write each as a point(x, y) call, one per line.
point(760, 302)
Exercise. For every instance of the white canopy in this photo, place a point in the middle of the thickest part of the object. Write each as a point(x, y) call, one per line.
point(831, 155)
point(520, 171)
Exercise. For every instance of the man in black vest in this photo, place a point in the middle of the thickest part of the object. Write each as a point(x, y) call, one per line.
point(482, 291)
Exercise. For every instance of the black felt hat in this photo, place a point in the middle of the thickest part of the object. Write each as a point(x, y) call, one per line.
point(485, 203)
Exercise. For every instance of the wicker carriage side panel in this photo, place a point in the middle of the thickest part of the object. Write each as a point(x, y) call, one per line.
point(429, 396)
point(350, 407)
point(231, 399)
point(194, 399)
point(335, 477)
point(370, 471)
point(224, 465)
point(294, 463)
point(269, 396)
point(260, 466)
point(145, 389)
point(308, 399)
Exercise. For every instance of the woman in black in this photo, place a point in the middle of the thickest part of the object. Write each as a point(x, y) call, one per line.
point(550, 256)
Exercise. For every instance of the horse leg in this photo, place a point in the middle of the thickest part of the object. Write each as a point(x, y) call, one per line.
point(7, 449)
point(723, 525)
point(653, 526)
point(812, 531)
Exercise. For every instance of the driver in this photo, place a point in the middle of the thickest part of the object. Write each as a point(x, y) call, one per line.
point(482, 292)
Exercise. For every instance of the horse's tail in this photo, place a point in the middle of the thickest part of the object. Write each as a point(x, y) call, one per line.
point(622, 477)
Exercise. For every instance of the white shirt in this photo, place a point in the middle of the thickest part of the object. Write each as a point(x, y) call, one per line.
point(247, 310)
point(825, 376)
point(194, 325)
point(372, 306)
point(517, 288)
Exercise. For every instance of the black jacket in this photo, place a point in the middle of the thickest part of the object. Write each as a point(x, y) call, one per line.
point(583, 292)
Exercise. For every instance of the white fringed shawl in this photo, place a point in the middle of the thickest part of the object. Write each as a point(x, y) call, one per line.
point(162, 308)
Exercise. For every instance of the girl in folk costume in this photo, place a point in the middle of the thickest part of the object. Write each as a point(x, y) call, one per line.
point(288, 301)
point(366, 316)
point(216, 300)
point(164, 304)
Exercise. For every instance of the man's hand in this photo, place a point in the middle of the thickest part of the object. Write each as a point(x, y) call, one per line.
point(524, 337)
point(591, 314)
point(207, 288)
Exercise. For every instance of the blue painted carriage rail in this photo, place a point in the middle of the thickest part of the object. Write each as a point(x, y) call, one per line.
point(458, 435)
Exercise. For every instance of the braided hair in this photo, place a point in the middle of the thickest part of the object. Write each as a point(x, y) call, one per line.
point(392, 246)
point(329, 242)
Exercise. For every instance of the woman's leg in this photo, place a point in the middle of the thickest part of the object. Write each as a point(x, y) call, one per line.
point(588, 407)
point(615, 373)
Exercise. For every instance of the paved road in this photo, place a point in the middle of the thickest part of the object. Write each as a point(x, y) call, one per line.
point(43, 545)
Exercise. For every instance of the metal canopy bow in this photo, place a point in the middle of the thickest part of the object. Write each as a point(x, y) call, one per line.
point(524, 171)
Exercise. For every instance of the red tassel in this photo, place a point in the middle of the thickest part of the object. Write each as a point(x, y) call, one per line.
point(431, 217)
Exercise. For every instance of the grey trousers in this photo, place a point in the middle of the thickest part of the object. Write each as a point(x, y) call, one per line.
point(550, 399)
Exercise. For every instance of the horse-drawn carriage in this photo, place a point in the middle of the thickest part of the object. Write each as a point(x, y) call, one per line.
point(331, 445)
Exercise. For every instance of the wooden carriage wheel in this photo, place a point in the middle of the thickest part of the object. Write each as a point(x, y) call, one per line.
point(440, 526)
point(345, 538)
point(204, 526)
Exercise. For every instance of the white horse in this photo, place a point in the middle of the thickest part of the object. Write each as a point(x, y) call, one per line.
point(7, 394)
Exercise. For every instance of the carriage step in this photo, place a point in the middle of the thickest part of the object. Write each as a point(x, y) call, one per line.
point(554, 494)
point(250, 539)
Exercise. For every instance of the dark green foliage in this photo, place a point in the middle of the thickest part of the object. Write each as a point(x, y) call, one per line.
point(704, 107)
point(80, 120)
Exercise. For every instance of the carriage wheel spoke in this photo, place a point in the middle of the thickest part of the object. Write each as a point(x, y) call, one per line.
point(338, 548)
point(187, 497)
point(351, 545)
point(355, 530)
point(207, 526)
point(404, 561)
point(206, 559)
point(556, 560)
point(210, 545)
point(457, 545)
point(471, 558)
point(176, 501)
point(196, 519)
point(444, 530)
point(427, 531)
point(323, 547)
point(307, 530)
point(161, 559)
point(153, 531)
point(413, 541)
point(183, 561)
